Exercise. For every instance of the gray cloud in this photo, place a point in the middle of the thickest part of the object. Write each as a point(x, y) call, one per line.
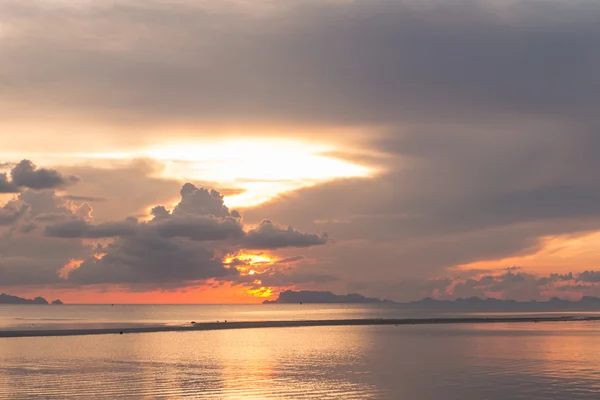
point(24, 270)
point(589, 276)
point(6, 186)
point(269, 236)
point(26, 174)
point(344, 62)
point(26, 256)
point(175, 248)
point(151, 259)
point(200, 201)
point(204, 227)
point(199, 216)
point(515, 284)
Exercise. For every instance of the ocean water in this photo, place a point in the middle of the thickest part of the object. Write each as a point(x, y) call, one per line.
point(550, 360)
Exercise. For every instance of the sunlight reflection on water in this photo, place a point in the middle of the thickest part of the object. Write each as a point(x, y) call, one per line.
point(499, 361)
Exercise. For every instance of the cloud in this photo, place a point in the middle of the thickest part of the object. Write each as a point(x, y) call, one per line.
point(515, 284)
point(199, 216)
point(26, 174)
point(152, 260)
point(175, 248)
point(270, 236)
point(589, 276)
point(7, 186)
point(200, 201)
point(200, 228)
point(27, 257)
point(352, 62)
point(11, 212)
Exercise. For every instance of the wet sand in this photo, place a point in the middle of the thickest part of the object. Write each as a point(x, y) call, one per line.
point(211, 326)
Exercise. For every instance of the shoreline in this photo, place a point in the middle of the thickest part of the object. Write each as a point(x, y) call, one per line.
point(213, 326)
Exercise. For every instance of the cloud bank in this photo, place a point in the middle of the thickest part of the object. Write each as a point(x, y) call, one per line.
point(58, 243)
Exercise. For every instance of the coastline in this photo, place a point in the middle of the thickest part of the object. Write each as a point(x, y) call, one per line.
point(212, 326)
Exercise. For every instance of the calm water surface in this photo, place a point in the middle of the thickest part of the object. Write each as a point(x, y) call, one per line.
point(481, 361)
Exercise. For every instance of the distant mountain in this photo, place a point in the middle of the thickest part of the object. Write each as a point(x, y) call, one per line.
point(305, 296)
point(8, 299)
point(587, 303)
point(471, 304)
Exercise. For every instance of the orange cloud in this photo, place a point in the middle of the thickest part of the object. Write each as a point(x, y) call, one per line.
point(558, 254)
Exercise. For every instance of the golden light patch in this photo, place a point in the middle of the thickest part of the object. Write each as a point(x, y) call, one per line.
point(248, 263)
point(253, 264)
point(260, 292)
point(73, 264)
point(251, 259)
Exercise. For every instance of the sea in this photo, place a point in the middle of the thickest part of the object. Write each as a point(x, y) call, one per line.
point(548, 360)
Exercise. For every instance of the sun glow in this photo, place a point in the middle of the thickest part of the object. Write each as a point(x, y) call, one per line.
point(261, 169)
point(249, 264)
point(250, 259)
point(260, 292)
point(247, 171)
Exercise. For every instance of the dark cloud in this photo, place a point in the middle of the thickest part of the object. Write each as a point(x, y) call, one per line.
point(159, 212)
point(589, 276)
point(200, 201)
point(26, 174)
point(203, 227)
point(26, 256)
point(269, 236)
point(200, 216)
point(24, 270)
point(515, 284)
point(175, 248)
point(7, 186)
point(151, 259)
point(344, 62)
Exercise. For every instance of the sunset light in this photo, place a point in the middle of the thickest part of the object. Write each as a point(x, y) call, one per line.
point(260, 292)
point(261, 168)
point(248, 263)
point(399, 190)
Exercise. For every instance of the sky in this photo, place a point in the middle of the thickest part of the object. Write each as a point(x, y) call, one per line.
point(223, 151)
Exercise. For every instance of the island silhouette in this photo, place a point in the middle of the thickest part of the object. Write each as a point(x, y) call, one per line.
point(8, 299)
point(586, 303)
